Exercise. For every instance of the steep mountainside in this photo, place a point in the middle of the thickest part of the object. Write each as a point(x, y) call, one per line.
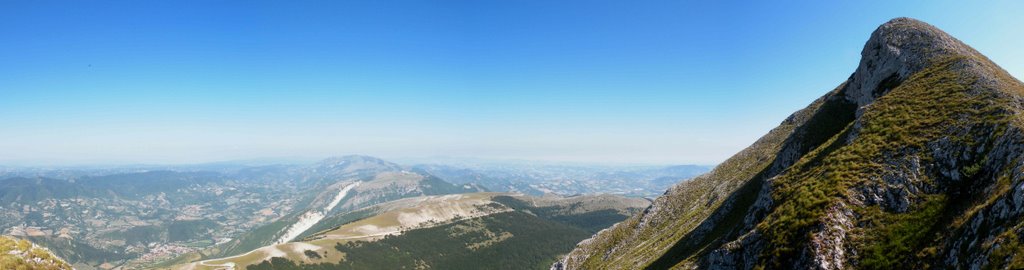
point(912, 162)
point(460, 231)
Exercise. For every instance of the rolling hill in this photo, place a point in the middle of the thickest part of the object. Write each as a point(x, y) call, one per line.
point(459, 231)
point(341, 185)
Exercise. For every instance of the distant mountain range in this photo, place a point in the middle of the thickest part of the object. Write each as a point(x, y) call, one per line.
point(538, 179)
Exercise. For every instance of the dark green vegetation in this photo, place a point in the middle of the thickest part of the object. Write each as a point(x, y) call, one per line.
point(591, 221)
point(312, 254)
point(472, 244)
point(278, 263)
point(520, 232)
point(512, 240)
point(891, 170)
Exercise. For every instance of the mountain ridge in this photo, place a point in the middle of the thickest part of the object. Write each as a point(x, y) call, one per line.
point(864, 177)
point(468, 225)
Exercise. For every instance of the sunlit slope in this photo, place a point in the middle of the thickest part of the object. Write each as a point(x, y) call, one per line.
point(371, 183)
point(910, 163)
point(484, 219)
point(22, 254)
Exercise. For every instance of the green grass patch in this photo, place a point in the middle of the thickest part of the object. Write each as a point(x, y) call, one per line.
point(926, 107)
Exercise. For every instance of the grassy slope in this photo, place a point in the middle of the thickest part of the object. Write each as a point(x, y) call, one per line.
point(510, 240)
point(534, 243)
point(554, 224)
point(639, 240)
point(923, 109)
point(388, 217)
point(266, 234)
point(591, 213)
point(22, 254)
point(946, 102)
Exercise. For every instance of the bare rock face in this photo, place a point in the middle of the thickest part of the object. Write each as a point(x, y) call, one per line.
point(827, 247)
point(897, 49)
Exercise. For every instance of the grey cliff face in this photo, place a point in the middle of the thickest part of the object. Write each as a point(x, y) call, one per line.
point(897, 49)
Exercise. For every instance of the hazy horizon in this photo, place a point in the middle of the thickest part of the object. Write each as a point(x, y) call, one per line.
point(295, 160)
point(663, 82)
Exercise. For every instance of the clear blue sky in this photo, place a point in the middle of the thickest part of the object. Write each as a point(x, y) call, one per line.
point(594, 81)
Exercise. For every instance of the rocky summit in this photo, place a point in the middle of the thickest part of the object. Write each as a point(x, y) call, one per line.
point(915, 161)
